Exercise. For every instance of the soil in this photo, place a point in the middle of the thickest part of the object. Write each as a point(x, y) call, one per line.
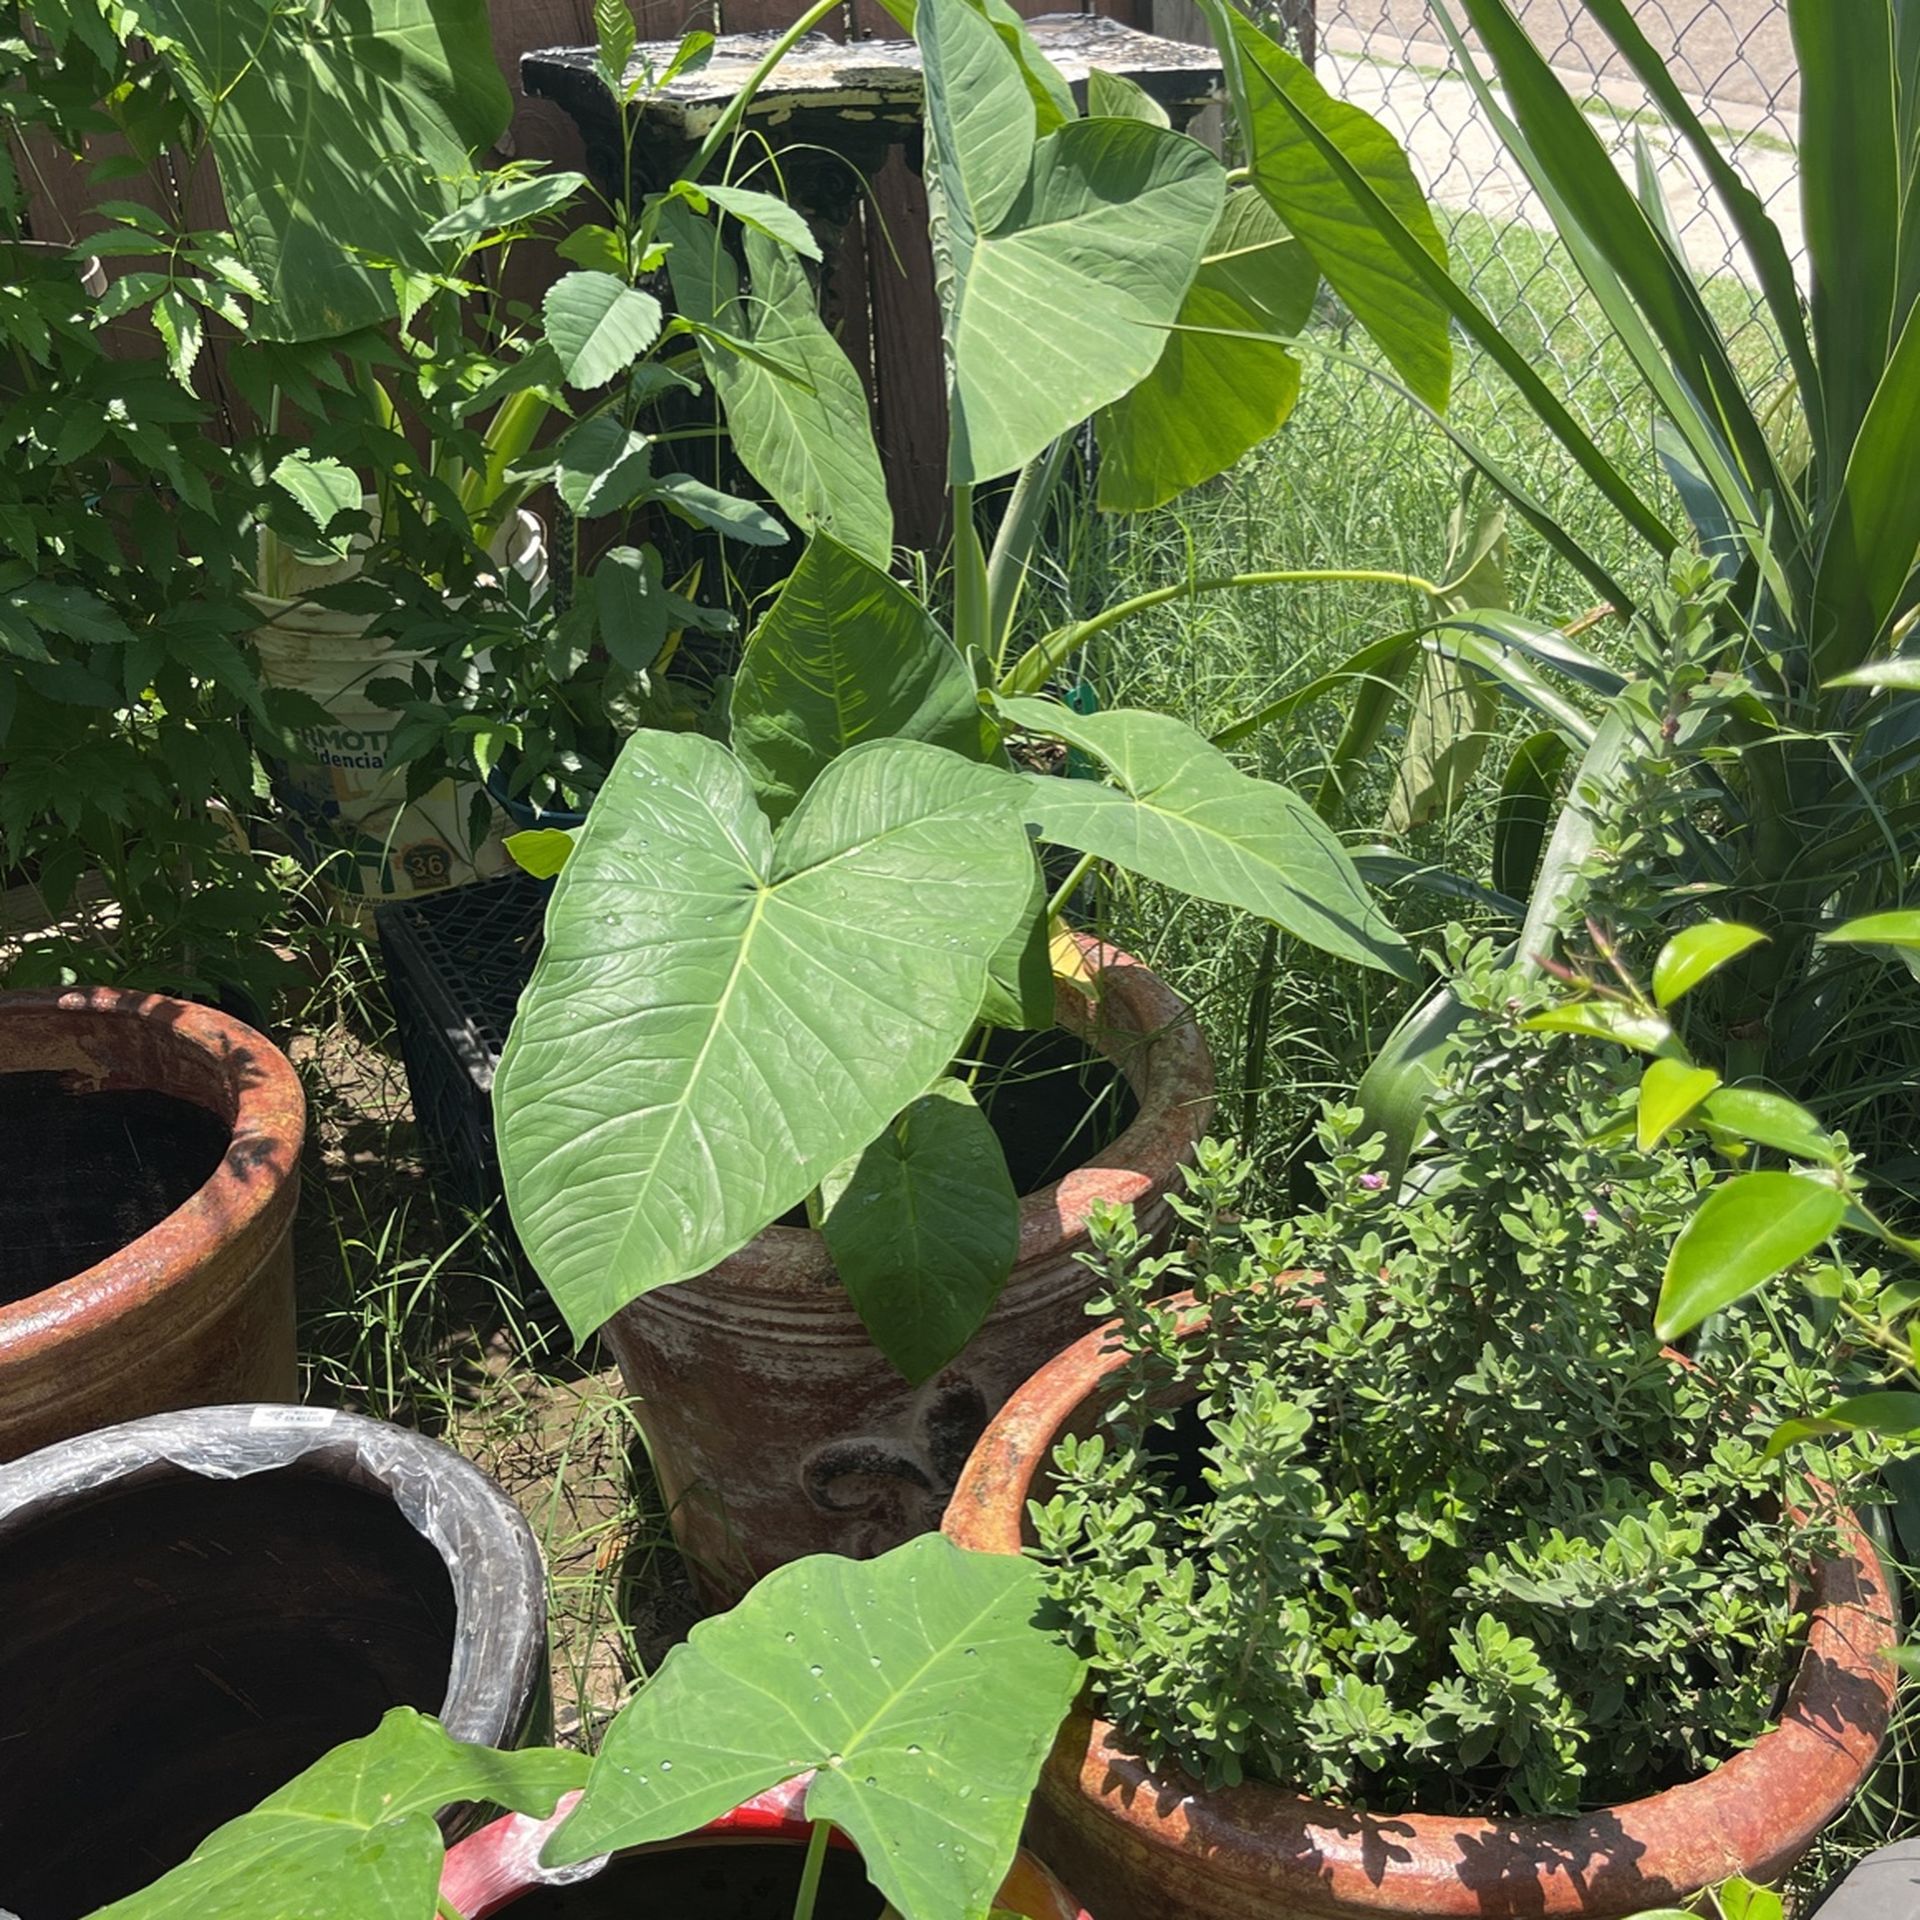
point(83, 1174)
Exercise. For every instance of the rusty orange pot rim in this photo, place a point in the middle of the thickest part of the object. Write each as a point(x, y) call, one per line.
point(788, 1260)
point(269, 1110)
point(1813, 1751)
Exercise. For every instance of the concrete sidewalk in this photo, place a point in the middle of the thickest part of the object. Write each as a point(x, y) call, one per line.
point(1413, 86)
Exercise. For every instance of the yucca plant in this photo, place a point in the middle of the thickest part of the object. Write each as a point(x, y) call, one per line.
point(1805, 500)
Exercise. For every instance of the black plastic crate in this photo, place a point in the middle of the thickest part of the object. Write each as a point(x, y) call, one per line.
point(456, 963)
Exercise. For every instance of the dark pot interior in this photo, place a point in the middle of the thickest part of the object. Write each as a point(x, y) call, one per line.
point(736, 1880)
point(175, 1650)
point(83, 1174)
point(1053, 1100)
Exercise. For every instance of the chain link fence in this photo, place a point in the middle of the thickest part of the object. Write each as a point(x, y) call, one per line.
point(1734, 58)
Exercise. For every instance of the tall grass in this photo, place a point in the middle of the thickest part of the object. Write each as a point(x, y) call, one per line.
point(1357, 477)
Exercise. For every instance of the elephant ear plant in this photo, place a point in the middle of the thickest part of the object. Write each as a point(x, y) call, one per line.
point(916, 1694)
point(762, 962)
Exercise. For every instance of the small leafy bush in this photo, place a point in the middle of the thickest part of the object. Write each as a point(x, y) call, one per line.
point(1425, 1517)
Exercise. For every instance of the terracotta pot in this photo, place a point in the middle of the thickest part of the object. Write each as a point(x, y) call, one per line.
point(726, 1870)
point(776, 1426)
point(144, 1255)
point(200, 1604)
point(1147, 1847)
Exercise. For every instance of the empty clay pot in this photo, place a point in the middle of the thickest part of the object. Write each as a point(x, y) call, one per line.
point(1148, 1847)
point(745, 1866)
point(197, 1606)
point(149, 1170)
point(778, 1429)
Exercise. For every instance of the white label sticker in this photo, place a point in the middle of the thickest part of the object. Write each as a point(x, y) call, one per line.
point(314, 1419)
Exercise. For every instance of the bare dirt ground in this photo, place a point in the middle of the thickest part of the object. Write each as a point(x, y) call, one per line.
point(415, 1312)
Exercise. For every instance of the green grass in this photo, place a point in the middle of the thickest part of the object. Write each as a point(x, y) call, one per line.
point(415, 1310)
point(1357, 478)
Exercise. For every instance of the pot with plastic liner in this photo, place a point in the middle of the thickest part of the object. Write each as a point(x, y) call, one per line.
point(199, 1605)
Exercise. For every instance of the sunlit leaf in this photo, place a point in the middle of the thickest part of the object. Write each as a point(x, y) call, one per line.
point(1769, 1120)
point(1894, 1414)
point(1211, 398)
point(598, 326)
point(721, 1015)
point(1060, 259)
point(1669, 1091)
point(1748, 1229)
point(1880, 930)
point(1606, 1020)
point(1694, 953)
point(541, 851)
point(915, 1687)
point(844, 654)
point(1181, 813)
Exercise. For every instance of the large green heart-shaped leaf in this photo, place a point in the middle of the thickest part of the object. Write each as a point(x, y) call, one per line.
point(721, 1016)
point(355, 1833)
point(795, 407)
point(919, 1686)
point(1061, 261)
point(1184, 815)
point(845, 654)
point(1277, 92)
point(1210, 398)
point(923, 1228)
point(342, 134)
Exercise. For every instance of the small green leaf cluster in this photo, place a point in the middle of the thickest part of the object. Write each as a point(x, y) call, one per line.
point(127, 692)
point(1424, 1517)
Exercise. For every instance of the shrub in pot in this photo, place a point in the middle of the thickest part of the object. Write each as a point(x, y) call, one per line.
point(904, 1703)
point(201, 1604)
point(1414, 1572)
point(151, 1169)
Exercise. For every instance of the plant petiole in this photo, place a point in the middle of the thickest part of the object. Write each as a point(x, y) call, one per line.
point(810, 1871)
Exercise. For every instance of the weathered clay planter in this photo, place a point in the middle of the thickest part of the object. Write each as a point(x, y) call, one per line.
point(776, 1426)
point(201, 1604)
point(1144, 1847)
point(150, 1161)
point(745, 1866)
